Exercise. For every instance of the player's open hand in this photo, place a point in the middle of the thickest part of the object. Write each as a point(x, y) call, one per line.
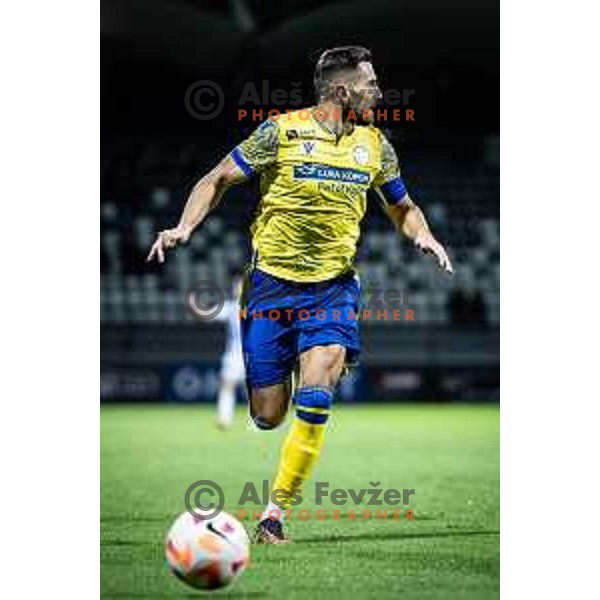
point(169, 238)
point(429, 245)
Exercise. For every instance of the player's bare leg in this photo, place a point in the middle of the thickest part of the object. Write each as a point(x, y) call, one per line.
point(322, 366)
point(269, 404)
point(320, 370)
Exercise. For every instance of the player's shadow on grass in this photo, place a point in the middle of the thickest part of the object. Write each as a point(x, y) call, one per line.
point(196, 595)
point(371, 535)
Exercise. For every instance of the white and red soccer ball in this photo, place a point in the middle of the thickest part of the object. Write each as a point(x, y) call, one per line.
point(207, 553)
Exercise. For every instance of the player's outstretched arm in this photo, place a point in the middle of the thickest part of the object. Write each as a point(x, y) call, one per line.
point(404, 213)
point(204, 197)
point(409, 219)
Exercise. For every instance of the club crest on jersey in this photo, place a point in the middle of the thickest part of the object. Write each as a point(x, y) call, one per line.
point(308, 147)
point(361, 155)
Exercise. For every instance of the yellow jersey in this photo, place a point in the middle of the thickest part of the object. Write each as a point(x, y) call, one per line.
point(314, 193)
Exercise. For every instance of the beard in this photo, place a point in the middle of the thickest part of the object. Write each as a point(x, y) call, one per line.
point(358, 116)
point(363, 109)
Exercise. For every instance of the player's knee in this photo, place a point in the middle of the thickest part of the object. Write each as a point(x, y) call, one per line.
point(323, 366)
point(267, 412)
point(262, 424)
point(266, 422)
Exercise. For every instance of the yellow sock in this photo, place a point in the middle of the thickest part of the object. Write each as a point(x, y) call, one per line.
point(302, 446)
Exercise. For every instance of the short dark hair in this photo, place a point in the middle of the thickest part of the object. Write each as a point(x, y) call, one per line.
point(335, 60)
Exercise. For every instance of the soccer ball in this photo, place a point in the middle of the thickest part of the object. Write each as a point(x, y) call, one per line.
point(207, 554)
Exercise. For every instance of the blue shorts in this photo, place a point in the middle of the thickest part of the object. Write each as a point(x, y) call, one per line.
point(285, 318)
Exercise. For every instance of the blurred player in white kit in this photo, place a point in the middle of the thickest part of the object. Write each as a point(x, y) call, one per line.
point(232, 362)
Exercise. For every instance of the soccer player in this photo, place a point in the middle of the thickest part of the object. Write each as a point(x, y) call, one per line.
point(232, 362)
point(316, 166)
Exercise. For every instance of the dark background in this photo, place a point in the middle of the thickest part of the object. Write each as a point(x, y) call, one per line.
point(153, 150)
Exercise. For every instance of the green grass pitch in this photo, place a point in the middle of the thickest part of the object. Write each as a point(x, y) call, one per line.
point(448, 454)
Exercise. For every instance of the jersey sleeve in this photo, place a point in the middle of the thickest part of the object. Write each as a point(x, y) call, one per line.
point(388, 182)
point(259, 151)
